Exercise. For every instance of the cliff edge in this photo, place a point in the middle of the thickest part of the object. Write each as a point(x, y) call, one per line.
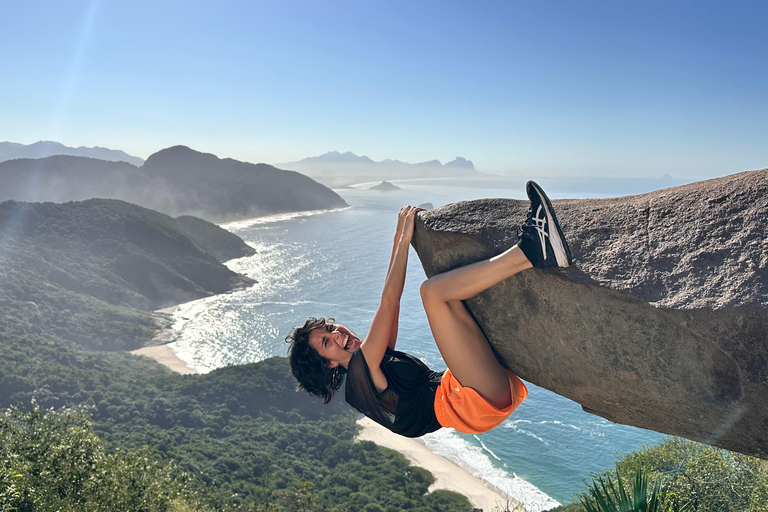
point(661, 322)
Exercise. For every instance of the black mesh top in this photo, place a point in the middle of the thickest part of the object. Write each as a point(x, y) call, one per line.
point(406, 407)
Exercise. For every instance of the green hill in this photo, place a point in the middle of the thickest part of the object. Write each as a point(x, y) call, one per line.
point(89, 271)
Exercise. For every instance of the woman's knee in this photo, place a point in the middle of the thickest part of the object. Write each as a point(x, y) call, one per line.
point(429, 291)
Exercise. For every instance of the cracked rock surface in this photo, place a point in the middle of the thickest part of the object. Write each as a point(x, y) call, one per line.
point(661, 322)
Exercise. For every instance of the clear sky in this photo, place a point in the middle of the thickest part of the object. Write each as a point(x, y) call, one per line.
point(562, 87)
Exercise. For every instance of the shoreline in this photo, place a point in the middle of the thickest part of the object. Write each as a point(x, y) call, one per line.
point(163, 343)
point(165, 355)
point(448, 475)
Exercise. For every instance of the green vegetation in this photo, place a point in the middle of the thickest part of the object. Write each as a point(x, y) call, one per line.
point(685, 476)
point(73, 279)
point(218, 242)
point(247, 437)
point(609, 495)
point(54, 461)
point(88, 272)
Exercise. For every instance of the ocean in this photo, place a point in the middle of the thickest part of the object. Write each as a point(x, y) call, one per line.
point(333, 264)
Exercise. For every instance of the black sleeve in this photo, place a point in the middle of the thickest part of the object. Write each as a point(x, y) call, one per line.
point(361, 393)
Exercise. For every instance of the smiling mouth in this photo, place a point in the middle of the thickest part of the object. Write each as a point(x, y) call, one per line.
point(346, 342)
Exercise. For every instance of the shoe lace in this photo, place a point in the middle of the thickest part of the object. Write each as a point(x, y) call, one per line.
point(536, 222)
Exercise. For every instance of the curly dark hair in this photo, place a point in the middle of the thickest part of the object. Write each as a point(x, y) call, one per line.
point(310, 368)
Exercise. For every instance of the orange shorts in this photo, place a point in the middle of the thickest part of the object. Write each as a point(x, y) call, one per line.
point(465, 410)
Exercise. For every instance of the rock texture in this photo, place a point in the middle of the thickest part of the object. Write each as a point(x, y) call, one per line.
point(661, 322)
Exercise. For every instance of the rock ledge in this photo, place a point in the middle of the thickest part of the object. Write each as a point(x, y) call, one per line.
point(661, 323)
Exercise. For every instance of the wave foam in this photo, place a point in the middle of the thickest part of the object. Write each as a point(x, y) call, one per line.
point(279, 217)
point(450, 445)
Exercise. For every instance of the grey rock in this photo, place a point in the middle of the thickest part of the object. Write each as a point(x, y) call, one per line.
point(661, 322)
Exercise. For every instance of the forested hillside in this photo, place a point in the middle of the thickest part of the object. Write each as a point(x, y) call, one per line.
point(75, 282)
point(89, 271)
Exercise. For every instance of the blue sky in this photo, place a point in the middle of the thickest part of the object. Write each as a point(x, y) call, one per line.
point(559, 87)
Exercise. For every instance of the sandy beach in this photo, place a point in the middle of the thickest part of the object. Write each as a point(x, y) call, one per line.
point(165, 355)
point(165, 338)
point(447, 474)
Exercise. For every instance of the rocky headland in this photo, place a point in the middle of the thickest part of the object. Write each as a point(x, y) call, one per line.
point(661, 322)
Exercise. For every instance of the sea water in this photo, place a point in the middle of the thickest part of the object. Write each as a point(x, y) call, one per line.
point(333, 264)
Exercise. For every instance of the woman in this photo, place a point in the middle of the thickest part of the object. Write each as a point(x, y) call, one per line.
point(476, 393)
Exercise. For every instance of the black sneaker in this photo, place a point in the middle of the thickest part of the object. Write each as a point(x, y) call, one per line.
point(541, 238)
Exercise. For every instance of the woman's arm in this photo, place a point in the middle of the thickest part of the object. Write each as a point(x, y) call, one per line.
point(396, 320)
point(380, 335)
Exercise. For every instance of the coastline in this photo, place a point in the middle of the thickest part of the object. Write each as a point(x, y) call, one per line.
point(165, 355)
point(164, 342)
point(447, 474)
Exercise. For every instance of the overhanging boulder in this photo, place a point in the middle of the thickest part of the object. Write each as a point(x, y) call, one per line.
point(661, 322)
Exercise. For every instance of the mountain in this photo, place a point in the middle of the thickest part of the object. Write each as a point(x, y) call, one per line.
point(45, 148)
point(334, 157)
point(461, 163)
point(341, 169)
point(660, 323)
point(176, 181)
point(225, 189)
point(63, 178)
point(92, 263)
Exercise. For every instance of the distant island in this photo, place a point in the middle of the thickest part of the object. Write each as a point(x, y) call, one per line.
point(336, 169)
point(385, 186)
point(176, 181)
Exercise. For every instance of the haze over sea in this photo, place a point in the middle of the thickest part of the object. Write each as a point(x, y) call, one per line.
point(333, 263)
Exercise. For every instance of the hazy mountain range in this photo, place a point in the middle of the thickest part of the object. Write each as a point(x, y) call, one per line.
point(332, 169)
point(45, 148)
point(340, 169)
point(175, 181)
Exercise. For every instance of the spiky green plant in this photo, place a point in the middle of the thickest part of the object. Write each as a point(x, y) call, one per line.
point(609, 495)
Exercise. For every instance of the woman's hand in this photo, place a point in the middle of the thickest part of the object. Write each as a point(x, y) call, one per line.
point(406, 221)
point(400, 224)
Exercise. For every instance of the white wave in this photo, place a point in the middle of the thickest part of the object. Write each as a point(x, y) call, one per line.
point(279, 217)
point(515, 426)
point(487, 449)
point(450, 445)
point(515, 423)
point(558, 422)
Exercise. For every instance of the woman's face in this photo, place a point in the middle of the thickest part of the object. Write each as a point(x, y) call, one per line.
point(334, 342)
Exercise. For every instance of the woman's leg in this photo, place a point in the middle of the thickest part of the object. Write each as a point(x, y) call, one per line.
point(462, 343)
point(460, 340)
